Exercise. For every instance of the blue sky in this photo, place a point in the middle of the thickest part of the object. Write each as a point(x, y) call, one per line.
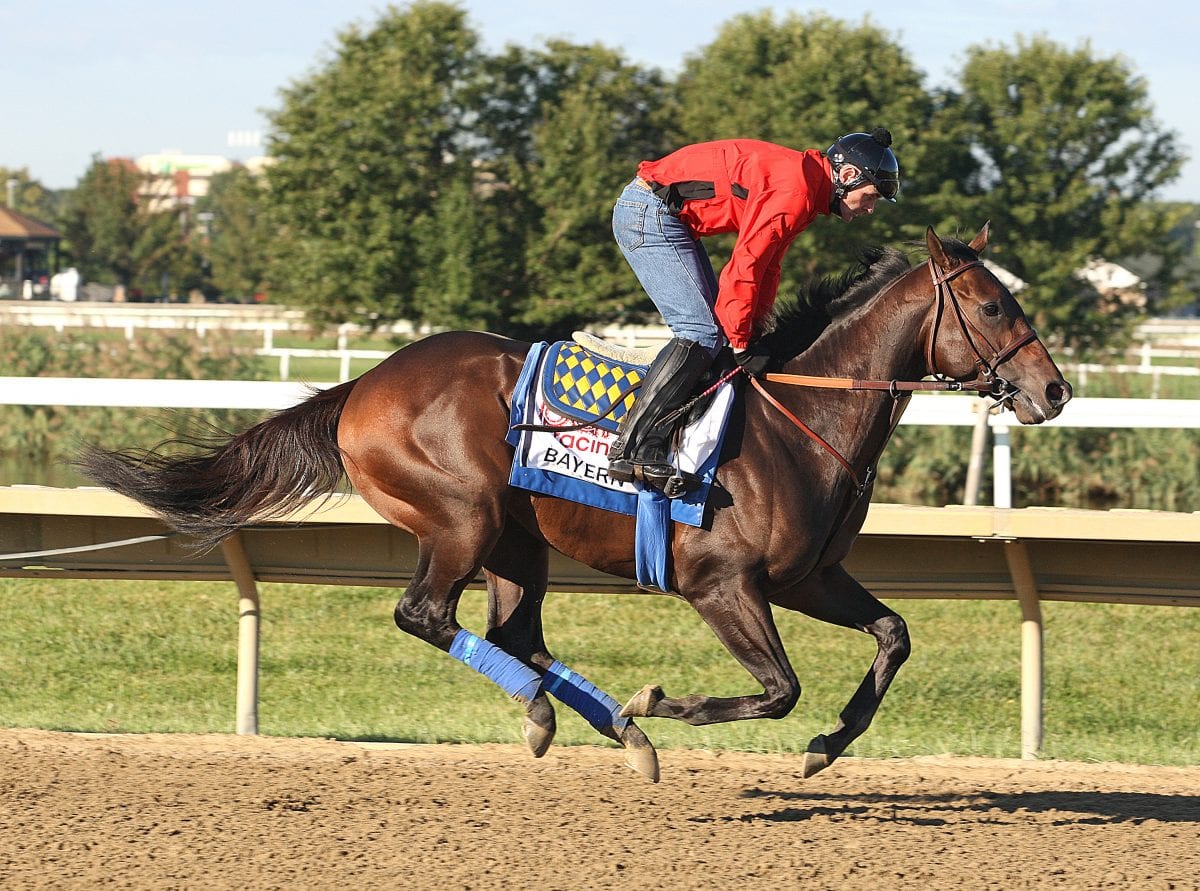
point(134, 77)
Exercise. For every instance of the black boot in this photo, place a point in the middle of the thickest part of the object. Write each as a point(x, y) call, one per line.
point(641, 449)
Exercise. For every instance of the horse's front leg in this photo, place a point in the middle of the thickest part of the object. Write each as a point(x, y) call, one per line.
point(741, 619)
point(833, 596)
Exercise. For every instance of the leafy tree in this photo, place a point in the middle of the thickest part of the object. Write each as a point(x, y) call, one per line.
point(118, 233)
point(362, 147)
point(459, 258)
point(1068, 159)
point(233, 234)
point(802, 81)
point(30, 197)
point(586, 117)
point(102, 221)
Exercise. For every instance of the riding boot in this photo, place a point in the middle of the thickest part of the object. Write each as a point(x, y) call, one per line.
point(643, 440)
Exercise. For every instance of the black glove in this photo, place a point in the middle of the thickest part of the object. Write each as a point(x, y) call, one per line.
point(754, 359)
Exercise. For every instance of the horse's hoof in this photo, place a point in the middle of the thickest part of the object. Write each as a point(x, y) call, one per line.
point(816, 758)
point(539, 725)
point(643, 702)
point(639, 752)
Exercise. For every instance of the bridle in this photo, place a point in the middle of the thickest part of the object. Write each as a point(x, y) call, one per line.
point(989, 382)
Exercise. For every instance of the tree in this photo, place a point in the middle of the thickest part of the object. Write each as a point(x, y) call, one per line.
point(233, 233)
point(362, 147)
point(803, 81)
point(118, 232)
point(30, 197)
point(102, 221)
point(587, 118)
point(1068, 159)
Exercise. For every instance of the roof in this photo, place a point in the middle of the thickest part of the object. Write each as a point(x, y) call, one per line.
point(1013, 283)
point(17, 225)
point(1106, 276)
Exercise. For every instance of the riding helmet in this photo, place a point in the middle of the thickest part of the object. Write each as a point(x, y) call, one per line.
point(870, 153)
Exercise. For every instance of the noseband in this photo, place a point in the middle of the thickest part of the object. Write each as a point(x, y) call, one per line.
point(989, 382)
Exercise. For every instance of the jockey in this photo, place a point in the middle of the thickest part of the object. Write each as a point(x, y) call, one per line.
point(767, 194)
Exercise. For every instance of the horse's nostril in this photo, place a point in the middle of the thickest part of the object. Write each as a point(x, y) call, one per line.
point(1058, 393)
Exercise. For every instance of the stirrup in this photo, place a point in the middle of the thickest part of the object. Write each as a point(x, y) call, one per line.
point(669, 480)
point(622, 470)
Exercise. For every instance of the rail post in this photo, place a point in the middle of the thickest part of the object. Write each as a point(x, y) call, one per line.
point(248, 618)
point(1025, 584)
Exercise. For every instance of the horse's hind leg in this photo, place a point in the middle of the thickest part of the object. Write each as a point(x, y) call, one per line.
point(517, 576)
point(833, 596)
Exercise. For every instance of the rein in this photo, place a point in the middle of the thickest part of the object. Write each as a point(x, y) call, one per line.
point(990, 383)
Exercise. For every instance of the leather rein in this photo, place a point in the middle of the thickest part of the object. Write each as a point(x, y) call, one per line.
point(988, 383)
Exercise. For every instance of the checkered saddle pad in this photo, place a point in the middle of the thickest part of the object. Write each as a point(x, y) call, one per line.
point(582, 385)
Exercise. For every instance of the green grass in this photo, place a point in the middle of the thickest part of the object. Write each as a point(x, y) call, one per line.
point(1122, 682)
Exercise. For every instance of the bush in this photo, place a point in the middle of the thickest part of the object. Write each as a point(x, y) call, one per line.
point(47, 437)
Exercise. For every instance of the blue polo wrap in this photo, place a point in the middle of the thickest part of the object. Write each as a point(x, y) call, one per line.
point(577, 692)
point(513, 676)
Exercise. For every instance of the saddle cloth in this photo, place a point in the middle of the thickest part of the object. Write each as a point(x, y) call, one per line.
point(562, 384)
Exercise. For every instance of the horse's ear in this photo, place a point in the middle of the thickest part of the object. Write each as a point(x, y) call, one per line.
point(936, 251)
point(980, 241)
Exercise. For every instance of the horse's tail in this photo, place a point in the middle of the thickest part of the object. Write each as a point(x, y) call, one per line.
point(223, 484)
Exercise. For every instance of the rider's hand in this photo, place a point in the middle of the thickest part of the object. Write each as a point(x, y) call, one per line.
point(754, 359)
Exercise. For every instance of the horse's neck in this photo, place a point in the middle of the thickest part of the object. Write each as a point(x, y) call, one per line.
point(882, 339)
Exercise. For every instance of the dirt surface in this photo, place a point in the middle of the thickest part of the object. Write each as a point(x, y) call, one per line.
point(82, 811)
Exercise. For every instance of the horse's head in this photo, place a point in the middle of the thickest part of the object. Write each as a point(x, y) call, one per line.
point(979, 334)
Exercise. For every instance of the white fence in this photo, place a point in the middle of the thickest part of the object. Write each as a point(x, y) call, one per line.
point(924, 409)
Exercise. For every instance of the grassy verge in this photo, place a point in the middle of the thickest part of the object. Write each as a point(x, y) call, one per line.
point(1122, 682)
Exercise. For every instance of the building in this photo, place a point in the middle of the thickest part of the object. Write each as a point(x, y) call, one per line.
point(28, 254)
point(176, 179)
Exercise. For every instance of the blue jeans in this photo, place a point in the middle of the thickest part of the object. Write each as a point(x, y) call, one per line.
point(671, 264)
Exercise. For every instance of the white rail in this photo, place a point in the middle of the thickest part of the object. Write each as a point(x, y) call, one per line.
point(924, 409)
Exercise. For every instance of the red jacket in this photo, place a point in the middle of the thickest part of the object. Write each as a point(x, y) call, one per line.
point(786, 190)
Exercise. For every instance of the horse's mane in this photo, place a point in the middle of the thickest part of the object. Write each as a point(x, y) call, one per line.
point(797, 323)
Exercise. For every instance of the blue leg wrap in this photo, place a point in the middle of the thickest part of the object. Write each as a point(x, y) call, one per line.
point(597, 707)
point(513, 676)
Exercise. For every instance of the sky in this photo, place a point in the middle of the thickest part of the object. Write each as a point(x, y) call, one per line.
point(136, 77)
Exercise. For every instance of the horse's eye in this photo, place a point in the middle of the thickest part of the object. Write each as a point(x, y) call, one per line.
point(991, 309)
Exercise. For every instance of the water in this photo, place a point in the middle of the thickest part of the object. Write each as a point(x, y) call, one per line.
point(24, 472)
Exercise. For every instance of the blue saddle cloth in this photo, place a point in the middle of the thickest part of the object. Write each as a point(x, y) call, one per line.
point(562, 384)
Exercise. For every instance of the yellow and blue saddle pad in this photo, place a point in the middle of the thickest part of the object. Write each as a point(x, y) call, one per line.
point(580, 384)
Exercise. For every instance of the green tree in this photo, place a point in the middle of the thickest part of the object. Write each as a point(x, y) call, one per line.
point(520, 238)
point(30, 197)
point(102, 220)
point(802, 81)
point(362, 147)
point(592, 119)
point(232, 233)
point(1069, 157)
point(118, 232)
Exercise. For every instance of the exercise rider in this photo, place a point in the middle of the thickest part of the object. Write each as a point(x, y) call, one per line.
point(767, 194)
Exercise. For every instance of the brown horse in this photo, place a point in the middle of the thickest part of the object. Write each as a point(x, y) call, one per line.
point(422, 438)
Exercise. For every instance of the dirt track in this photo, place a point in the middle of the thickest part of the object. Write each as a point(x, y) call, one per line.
point(226, 812)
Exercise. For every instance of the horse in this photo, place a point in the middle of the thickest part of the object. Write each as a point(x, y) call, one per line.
point(422, 438)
